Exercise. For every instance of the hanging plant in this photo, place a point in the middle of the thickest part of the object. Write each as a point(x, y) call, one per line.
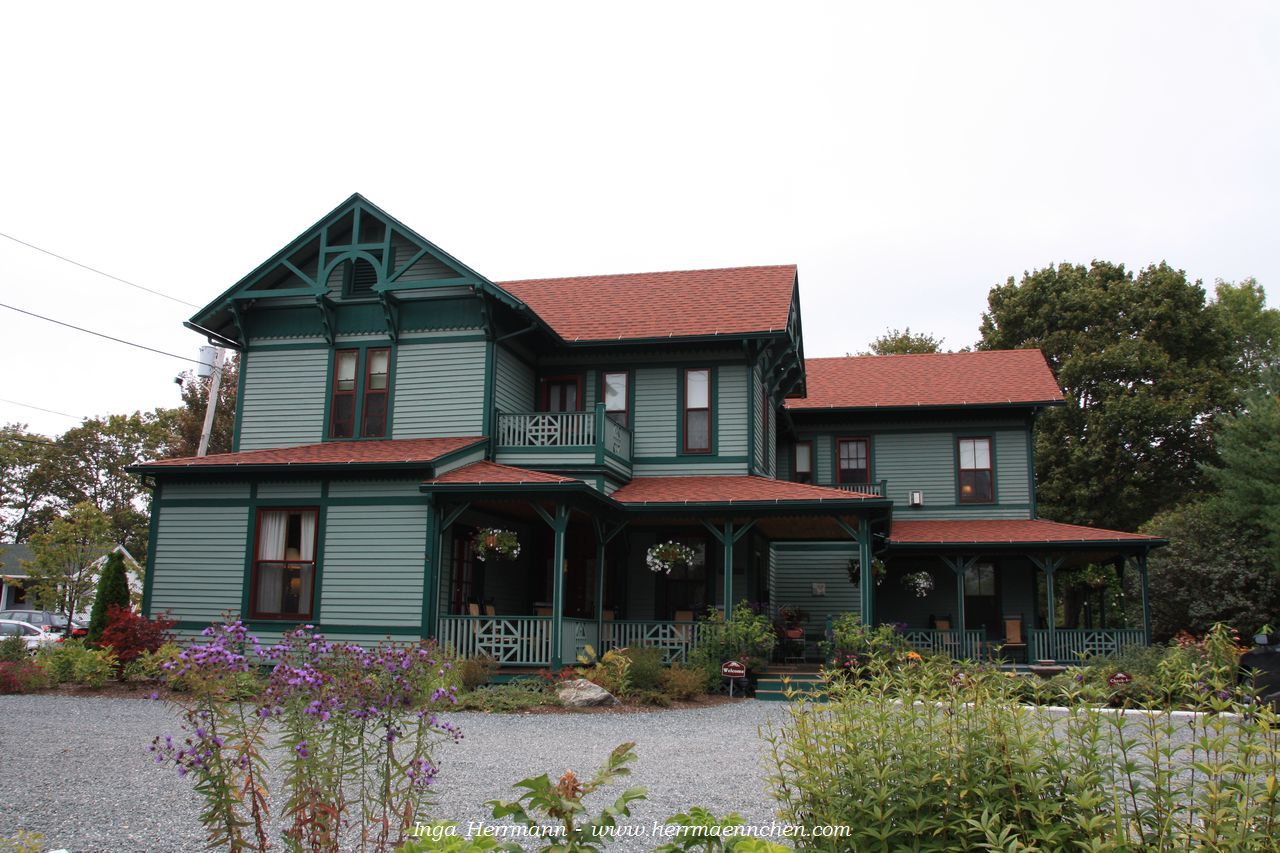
point(665, 556)
point(920, 583)
point(878, 571)
point(495, 543)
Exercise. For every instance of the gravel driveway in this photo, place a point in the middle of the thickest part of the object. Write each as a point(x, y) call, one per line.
point(76, 769)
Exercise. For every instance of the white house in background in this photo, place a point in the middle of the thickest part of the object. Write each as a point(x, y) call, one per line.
point(14, 556)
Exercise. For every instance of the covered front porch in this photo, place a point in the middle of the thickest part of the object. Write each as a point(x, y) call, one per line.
point(992, 589)
point(522, 612)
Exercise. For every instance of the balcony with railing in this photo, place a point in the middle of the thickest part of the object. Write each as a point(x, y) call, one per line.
point(531, 439)
point(879, 488)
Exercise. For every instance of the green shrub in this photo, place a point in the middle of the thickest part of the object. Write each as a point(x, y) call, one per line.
point(150, 666)
point(72, 662)
point(683, 682)
point(612, 672)
point(476, 672)
point(14, 650)
point(517, 695)
point(747, 637)
point(657, 698)
point(113, 591)
point(22, 676)
point(646, 667)
point(929, 751)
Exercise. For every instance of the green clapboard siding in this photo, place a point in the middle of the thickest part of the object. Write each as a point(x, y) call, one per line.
point(284, 398)
point(373, 564)
point(439, 389)
point(796, 566)
point(924, 461)
point(513, 382)
point(733, 415)
point(199, 561)
point(655, 415)
point(202, 491)
point(404, 487)
point(1011, 466)
point(307, 490)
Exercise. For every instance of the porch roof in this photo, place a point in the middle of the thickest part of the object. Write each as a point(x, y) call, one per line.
point(1006, 533)
point(733, 491)
point(382, 453)
point(491, 473)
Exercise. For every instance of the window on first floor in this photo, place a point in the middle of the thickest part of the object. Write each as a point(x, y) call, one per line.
point(976, 482)
point(853, 461)
point(802, 469)
point(697, 410)
point(284, 565)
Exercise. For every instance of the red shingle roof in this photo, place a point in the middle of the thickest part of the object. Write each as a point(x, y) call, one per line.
point(676, 304)
point(388, 451)
point(488, 473)
point(990, 377)
point(749, 489)
point(1011, 532)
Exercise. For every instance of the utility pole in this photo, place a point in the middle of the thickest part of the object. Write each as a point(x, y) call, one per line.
point(215, 385)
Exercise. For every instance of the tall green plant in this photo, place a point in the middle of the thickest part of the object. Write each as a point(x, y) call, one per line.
point(113, 588)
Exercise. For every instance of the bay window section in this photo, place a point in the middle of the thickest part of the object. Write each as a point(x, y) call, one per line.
point(802, 468)
point(284, 565)
point(377, 375)
point(615, 397)
point(976, 482)
point(697, 410)
point(342, 408)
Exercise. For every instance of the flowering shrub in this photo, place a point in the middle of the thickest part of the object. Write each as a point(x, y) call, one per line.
point(358, 729)
point(920, 583)
point(665, 556)
point(130, 635)
point(22, 676)
point(496, 543)
point(854, 645)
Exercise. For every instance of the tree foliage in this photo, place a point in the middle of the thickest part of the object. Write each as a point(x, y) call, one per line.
point(113, 591)
point(27, 502)
point(904, 342)
point(1248, 478)
point(1241, 311)
point(1144, 363)
point(61, 576)
point(182, 425)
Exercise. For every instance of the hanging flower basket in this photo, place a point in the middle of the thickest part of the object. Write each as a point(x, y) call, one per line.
point(878, 571)
point(494, 543)
point(665, 556)
point(920, 583)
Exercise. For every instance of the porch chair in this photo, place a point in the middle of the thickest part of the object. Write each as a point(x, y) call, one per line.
point(685, 631)
point(490, 610)
point(947, 640)
point(1013, 636)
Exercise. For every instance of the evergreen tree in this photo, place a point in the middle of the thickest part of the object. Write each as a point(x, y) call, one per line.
point(113, 588)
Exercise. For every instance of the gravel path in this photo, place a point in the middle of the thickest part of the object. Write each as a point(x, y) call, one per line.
point(76, 769)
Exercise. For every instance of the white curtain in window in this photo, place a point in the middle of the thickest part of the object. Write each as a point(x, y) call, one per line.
point(307, 552)
point(272, 531)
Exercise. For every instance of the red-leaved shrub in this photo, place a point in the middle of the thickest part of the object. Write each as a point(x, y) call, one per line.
point(22, 677)
point(130, 635)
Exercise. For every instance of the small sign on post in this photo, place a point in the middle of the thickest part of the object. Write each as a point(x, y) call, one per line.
point(733, 670)
point(1119, 678)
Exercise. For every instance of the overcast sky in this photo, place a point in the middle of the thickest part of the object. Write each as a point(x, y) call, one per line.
point(906, 156)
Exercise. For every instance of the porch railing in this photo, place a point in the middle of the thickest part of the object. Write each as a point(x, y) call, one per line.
point(565, 430)
point(961, 645)
point(1072, 645)
point(676, 639)
point(879, 488)
point(509, 640)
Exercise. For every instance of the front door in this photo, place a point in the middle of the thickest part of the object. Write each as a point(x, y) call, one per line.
point(981, 603)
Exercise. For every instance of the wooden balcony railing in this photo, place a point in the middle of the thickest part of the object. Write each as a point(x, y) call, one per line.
point(880, 488)
point(585, 431)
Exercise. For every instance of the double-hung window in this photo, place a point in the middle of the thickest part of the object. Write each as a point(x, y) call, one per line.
point(615, 396)
point(697, 410)
point(360, 394)
point(284, 565)
point(853, 461)
point(977, 486)
point(802, 467)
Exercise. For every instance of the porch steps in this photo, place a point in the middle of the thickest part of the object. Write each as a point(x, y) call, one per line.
point(774, 687)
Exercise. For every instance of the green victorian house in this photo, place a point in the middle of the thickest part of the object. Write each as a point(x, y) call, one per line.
point(396, 407)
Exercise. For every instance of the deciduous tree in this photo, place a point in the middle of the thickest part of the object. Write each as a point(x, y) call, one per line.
point(61, 577)
point(904, 342)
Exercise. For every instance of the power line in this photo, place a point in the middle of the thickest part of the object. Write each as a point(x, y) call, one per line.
point(101, 335)
point(46, 442)
point(40, 409)
point(98, 271)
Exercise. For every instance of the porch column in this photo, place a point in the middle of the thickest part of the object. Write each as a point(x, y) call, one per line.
point(866, 581)
point(438, 521)
point(727, 536)
point(1146, 598)
point(959, 566)
point(559, 523)
point(1049, 565)
point(604, 535)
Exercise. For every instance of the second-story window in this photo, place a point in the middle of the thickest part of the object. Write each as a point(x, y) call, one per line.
point(976, 483)
point(376, 377)
point(802, 469)
point(852, 461)
point(361, 393)
point(697, 410)
point(342, 421)
point(562, 394)
point(615, 396)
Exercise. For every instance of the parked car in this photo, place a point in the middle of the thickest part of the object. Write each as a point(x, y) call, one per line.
point(46, 621)
point(34, 637)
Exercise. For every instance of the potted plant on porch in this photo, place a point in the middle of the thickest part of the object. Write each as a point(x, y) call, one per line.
point(495, 543)
point(662, 557)
point(793, 620)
